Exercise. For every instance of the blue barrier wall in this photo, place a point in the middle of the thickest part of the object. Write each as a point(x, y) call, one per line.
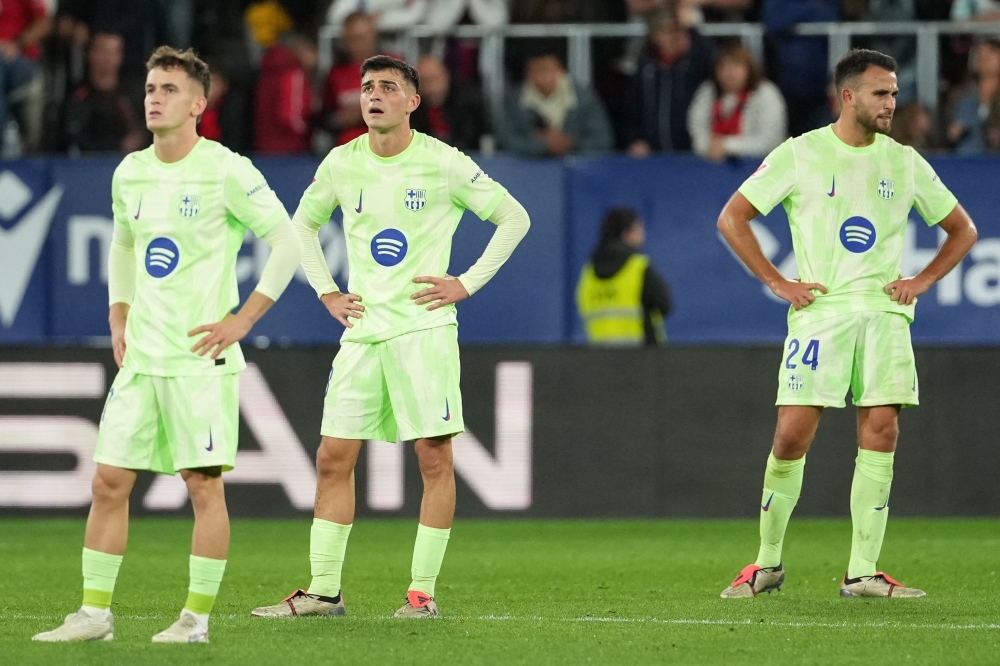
point(55, 228)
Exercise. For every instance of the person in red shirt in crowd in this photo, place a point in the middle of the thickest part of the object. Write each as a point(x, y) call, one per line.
point(284, 101)
point(23, 23)
point(341, 111)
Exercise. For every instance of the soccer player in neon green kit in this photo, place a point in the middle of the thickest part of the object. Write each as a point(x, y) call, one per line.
point(397, 372)
point(181, 209)
point(848, 190)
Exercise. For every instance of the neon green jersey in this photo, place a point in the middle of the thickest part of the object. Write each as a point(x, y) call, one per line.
point(848, 208)
point(188, 219)
point(400, 214)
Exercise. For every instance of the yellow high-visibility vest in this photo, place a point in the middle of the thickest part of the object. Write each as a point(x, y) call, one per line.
point(611, 308)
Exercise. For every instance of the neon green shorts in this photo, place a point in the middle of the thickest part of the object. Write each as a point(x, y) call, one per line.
point(166, 424)
point(406, 387)
point(868, 352)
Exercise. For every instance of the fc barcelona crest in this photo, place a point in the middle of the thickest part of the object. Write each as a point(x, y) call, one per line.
point(190, 206)
point(415, 199)
point(886, 188)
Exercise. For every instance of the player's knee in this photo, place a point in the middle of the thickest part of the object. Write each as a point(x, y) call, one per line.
point(332, 465)
point(435, 463)
point(880, 434)
point(790, 442)
point(108, 487)
point(204, 487)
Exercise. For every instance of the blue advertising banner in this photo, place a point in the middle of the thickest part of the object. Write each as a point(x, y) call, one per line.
point(55, 232)
point(717, 300)
point(26, 208)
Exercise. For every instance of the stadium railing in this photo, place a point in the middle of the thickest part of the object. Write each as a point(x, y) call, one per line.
point(579, 36)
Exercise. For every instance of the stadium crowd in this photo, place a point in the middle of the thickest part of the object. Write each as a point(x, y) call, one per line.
point(71, 74)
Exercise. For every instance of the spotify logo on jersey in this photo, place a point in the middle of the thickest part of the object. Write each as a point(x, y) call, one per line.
point(162, 256)
point(857, 234)
point(389, 247)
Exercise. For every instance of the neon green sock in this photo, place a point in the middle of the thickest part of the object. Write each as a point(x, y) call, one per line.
point(100, 571)
point(206, 577)
point(327, 548)
point(869, 510)
point(782, 485)
point(428, 553)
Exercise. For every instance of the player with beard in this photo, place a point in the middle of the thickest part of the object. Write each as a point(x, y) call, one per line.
point(848, 190)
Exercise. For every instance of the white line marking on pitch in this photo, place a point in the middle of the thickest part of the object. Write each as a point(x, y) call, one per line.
point(633, 620)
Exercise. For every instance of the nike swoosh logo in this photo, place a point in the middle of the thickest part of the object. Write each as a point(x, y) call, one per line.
point(447, 411)
point(879, 508)
point(211, 444)
point(833, 188)
point(140, 208)
point(767, 507)
point(360, 197)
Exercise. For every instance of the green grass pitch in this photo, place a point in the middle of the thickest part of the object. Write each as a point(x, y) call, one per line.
point(531, 592)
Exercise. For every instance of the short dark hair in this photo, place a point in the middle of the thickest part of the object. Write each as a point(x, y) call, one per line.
point(167, 57)
point(856, 62)
point(381, 63)
point(616, 222)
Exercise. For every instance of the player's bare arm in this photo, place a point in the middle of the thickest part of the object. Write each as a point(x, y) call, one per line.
point(285, 257)
point(962, 236)
point(232, 328)
point(341, 306)
point(734, 224)
point(443, 291)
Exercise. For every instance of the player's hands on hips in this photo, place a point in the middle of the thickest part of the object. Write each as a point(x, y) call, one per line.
point(116, 319)
point(232, 328)
point(799, 294)
point(341, 306)
point(906, 290)
point(443, 290)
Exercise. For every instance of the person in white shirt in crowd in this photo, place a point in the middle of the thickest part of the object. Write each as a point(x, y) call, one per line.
point(736, 113)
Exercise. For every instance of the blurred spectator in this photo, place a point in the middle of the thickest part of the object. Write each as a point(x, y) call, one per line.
point(141, 24)
point(901, 47)
point(677, 61)
point(975, 10)
point(225, 118)
point(911, 126)
point(966, 128)
point(179, 21)
point(341, 111)
point(267, 21)
point(445, 14)
point(100, 116)
point(737, 113)
point(690, 12)
point(284, 102)
point(560, 11)
point(551, 115)
point(620, 297)
point(22, 24)
point(991, 135)
point(799, 66)
point(452, 114)
point(390, 15)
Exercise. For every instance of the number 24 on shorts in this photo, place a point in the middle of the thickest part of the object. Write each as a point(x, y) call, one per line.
point(810, 356)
